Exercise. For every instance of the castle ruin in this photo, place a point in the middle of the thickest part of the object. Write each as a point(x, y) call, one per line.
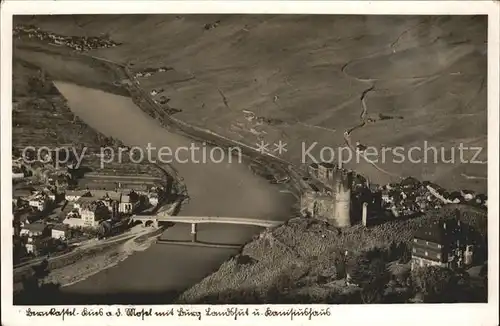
point(333, 206)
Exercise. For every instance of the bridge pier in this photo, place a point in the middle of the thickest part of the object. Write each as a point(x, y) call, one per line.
point(193, 232)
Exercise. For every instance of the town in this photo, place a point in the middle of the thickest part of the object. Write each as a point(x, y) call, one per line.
point(56, 210)
point(329, 182)
point(347, 198)
point(76, 43)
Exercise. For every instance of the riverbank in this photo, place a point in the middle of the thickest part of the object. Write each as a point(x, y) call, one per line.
point(67, 268)
point(93, 264)
point(70, 271)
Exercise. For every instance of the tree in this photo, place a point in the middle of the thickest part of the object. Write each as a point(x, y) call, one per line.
point(393, 251)
point(368, 271)
point(483, 274)
point(437, 284)
point(19, 250)
point(404, 252)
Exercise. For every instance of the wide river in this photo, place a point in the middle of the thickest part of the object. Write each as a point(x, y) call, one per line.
point(215, 189)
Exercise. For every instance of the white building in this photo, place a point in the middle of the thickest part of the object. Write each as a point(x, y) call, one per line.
point(74, 195)
point(153, 199)
point(88, 217)
point(93, 213)
point(39, 202)
point(74, 222)
point(126, 206)
point(33, 230)
point(17, 175)
point(36, 246)
point(387, 199)
point(60, 232)
point(467, 194)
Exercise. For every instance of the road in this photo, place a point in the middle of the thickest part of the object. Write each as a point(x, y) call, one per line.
point(347, 134)
point(135, 232)
point(287, 167)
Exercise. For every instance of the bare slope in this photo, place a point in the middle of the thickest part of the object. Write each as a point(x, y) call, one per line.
point(307, 73)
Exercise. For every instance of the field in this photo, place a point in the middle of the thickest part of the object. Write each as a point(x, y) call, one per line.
point(302, 77)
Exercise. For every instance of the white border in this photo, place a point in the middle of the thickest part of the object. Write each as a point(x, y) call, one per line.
point(458, 314)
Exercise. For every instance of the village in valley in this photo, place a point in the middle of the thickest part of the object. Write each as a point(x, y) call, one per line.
point(75, 43)
point(57, 209)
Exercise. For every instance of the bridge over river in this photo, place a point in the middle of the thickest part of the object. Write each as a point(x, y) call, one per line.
point(155, 220)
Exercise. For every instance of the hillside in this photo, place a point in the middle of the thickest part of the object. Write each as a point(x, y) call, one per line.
point(297, 262)
point(302, 77)
point(41, 117)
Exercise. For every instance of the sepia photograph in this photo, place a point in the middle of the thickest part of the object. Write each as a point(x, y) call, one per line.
point(248, 159)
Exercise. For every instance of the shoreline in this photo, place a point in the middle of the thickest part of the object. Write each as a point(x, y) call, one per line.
point(109, 253)
point(107, 259)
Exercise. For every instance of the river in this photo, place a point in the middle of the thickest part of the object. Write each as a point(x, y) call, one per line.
point(215, 189)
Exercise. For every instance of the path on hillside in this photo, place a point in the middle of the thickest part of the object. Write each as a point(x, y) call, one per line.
point(372, 81)
point(347, 133)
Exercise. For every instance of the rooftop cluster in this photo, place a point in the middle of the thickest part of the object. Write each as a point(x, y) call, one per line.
point(79, 43)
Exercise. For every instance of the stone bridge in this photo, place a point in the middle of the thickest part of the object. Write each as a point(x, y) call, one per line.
point(195, 220)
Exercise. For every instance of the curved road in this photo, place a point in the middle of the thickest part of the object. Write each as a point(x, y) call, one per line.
point(347, 133)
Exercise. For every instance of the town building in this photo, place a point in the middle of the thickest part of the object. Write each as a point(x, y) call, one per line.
point(74, 195)
point(126, 206)
point(39, 201)
point(106, 202)
point(74, 222)
point(81, 202)
point(109, 198)
point(312, 169)
point(442, 243)
point(93, 213)
point(153, 198)
point(138, 188)
point(325, 171)
point(60, 232)
point(467, 194)
point(34, 230)
point(37, 246)
point(482, 199)
point(17, 175)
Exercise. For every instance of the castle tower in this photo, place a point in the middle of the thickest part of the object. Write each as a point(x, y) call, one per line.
point(342, 197)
